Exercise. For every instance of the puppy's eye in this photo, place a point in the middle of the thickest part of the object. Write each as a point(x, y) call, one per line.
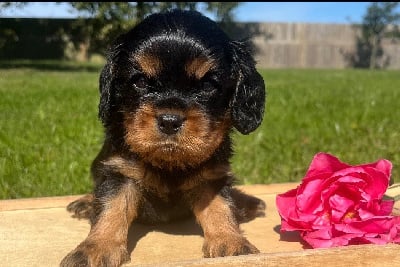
point(210, 83)
point(139, 81)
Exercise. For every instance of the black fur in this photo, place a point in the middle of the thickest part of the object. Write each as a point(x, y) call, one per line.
point(246, 87)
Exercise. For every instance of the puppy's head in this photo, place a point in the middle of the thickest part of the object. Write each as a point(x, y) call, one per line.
point(175, 85)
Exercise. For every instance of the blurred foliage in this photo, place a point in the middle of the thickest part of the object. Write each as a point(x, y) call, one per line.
point(31, 38)
point(99, 23)
point(102, 22)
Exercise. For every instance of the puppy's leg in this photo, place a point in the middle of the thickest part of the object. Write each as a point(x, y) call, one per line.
point(116, 207)
point(247, 207)
point(221, 229)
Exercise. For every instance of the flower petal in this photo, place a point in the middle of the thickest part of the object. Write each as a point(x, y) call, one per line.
point(377, 224)
point(340, 206)
point(326, 238)
point(386, 208)
point(325, 163)
point(285, 203)
point(308, 200)
point(382, 165)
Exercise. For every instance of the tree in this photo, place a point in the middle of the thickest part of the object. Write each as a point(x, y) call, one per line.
point(99, 23)
point(7, 34)
point(102, 22)
point(5, 5)
point(378, 23)
point(375, 26)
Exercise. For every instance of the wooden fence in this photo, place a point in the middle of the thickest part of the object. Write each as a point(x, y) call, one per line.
point(277, 45)
point(306, 45)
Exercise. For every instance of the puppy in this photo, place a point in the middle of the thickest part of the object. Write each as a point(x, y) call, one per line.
point(172, 91)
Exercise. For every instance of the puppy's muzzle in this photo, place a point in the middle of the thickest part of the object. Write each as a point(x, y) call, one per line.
point(170, 124)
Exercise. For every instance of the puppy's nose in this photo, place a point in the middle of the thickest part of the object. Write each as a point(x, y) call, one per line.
point(170, 123)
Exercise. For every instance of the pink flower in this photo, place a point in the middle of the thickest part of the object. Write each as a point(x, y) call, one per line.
point(337, 204)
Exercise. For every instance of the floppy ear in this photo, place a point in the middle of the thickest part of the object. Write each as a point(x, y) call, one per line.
point(247, 105)
point(106, 81)
point(105, 93)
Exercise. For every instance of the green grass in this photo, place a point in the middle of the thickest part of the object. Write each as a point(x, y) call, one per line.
point(352, 114)
point(49, 131)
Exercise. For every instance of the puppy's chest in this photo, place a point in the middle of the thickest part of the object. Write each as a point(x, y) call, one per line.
point(169, 186)
point(163, 182)
point(156, 207)
point(168, 183)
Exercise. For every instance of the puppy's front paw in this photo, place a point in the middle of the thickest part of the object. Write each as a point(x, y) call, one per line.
point(91, 254)
point(229, 245)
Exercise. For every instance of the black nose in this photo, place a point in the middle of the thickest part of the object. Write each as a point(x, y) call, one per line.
point(170, 123)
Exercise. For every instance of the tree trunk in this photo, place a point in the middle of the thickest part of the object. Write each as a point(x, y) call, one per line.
point(374, 53)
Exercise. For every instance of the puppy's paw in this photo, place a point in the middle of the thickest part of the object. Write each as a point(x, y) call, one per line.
point(230, 245)
point(82, 208)
point(258, 210)
point(89, 254)
point(247, 207)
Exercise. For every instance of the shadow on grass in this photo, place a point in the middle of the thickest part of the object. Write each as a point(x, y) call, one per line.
point(51, 65)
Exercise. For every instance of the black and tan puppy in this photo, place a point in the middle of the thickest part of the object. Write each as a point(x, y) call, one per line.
point(172, 91)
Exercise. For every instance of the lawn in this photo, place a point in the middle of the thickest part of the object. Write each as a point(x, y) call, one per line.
point(49, 131)
point(352, 114)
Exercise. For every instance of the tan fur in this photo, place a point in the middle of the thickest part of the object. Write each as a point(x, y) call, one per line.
point(106, 244)
point(148, 178)
point(128, 168)
point(197, 141)
point(199, 66)
point(221, 230)
point(136, 170)
point(150, 65)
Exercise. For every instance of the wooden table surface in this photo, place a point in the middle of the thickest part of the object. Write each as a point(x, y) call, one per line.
point(40, 232)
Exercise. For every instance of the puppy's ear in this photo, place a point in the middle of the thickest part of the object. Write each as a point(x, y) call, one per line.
point(247, 105)
point(105, 94)
point(107, 79)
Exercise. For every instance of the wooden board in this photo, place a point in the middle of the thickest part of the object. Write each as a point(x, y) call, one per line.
point(40, 232)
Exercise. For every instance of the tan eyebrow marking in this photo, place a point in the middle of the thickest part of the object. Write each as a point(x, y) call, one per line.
point(149, 64)
point(199, 66)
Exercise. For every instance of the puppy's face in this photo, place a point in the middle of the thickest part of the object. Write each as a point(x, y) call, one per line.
point(175, 85)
